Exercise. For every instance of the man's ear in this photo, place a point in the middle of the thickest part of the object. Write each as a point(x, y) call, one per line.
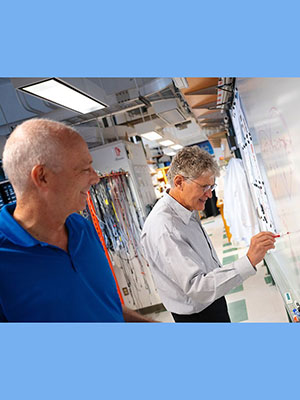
point(178, 181)
point(39, 176)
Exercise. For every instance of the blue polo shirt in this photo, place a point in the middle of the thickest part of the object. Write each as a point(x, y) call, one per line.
point(40, 282)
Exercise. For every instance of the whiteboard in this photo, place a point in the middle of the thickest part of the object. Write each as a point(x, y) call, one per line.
point(272, 110)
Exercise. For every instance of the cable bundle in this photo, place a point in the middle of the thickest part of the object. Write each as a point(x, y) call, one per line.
point(121, 223)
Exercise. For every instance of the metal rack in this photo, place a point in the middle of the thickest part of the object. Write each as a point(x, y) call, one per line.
point(7, 194)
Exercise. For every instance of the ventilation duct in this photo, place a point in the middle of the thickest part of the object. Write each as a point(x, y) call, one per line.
point(168, 110)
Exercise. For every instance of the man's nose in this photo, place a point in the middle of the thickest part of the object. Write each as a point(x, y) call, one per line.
point(209, 193)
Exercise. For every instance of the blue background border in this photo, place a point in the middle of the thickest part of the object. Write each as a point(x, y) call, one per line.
point(148, 361)
point(157, 38)
point(56, 361)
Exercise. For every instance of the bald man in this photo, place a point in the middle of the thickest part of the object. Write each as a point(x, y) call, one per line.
point(52, 265)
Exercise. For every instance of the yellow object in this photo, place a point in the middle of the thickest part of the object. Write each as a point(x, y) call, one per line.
point(162, 174)
point(220, 206)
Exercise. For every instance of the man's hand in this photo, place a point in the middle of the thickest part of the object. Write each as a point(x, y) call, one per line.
point(133, 316)
point(259, 245)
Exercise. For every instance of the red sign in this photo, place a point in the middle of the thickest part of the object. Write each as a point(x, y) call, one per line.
point(117, 151)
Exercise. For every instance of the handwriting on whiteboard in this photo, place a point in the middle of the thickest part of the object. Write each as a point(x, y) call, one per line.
point(276, 147)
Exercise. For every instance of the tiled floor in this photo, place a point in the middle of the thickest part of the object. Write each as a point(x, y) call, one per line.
point(257, 299)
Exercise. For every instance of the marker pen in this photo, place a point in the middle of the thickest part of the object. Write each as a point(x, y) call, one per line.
point(281, 234)
point(277, 235)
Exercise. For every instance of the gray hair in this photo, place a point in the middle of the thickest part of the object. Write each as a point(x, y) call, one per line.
point(191, 162)
point(34, 142)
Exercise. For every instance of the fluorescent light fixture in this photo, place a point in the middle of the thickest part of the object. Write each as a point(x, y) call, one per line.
point(177, 147)
point(166, 142)
point(151, 135)
point(64, 95)
point(169, 152)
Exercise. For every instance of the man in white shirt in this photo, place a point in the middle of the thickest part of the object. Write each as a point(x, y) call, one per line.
point(189, 277)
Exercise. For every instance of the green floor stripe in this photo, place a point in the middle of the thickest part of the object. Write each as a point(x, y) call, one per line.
point(269, 279)
point(208, 222)
point(226, 244)
point(229, 250)
point(236, 289)
point(210, 234)
point(238, 311)
point(230, 259)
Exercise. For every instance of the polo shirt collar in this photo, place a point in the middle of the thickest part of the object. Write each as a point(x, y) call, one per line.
point(181, 211)
point(14, 232)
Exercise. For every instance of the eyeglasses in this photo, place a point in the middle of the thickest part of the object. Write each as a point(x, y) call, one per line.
point(205, 188)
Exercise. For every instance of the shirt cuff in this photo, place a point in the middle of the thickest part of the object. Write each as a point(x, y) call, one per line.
point(245, 268)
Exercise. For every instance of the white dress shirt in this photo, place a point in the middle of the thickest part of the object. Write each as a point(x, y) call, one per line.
point(185, 267)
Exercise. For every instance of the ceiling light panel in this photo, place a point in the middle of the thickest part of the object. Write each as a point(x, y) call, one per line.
point(177, 147)
point(169, 152)
point(151, 135)
point(166, 143)
point(64, 95)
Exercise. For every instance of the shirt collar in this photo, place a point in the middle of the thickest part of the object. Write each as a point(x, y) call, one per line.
point(181, 211)
point(14, 232)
